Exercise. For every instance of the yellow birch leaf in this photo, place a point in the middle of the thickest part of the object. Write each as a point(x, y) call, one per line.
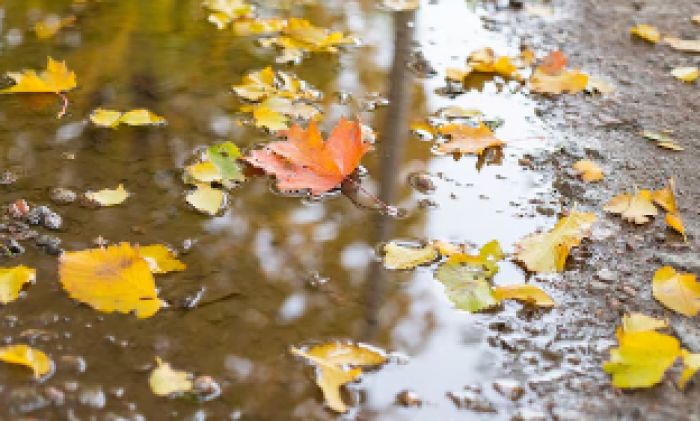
point(161, 259)
point(164, 381)
point(547, 252)
point(116, 278)
point(12, 280)
point(589, 171)
point(141, 117)
point(105, 118)
point(403, 257)
point(466, 139)
point(691, 364)
point(641, 359)
point(646, 32)
point(24, 355)
point(55, 79)
point(686, 74)
point(523, 292)
point(637, 208)
point(108, 197)
point(674, 221)
point(206, 199)
point(203, 172)
point(638, 322)
point(338, 364)
point(685, 45)
point(678, 291)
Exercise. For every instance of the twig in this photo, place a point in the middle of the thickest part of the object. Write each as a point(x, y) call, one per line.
point(65, 105)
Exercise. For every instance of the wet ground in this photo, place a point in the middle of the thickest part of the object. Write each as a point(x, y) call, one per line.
point(274, 271)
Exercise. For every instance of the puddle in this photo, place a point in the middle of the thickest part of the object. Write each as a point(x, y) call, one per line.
point(273, 271)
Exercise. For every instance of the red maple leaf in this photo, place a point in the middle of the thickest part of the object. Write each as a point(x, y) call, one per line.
point(305, 161)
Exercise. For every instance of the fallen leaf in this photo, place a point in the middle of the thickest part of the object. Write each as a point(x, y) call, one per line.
point(638, 322)
point(487, 259)
point(589, 171)
point(12, 280)
point(401, 5)
point(674, 221)
point(206, 199)
point(115, 278)
point(223, 12)
point(306, 161)
point(164, 381)
point(637, 208)
point(299, 36)
point(55, 79)
point(646, 32)
point(572, 82)
point(161, 259)
point(398, 256)
point(523, 292)
point(641, 359)
point(663, 140)
point(695, 19)
point(51, 24)
point(140, 117)
point(547, 252)
point(486, 61)
point(539, 10)
point(24, 355)
point(678, 291)
point(258, 26)
point(686, 74)
point(599, 86)
point(265, 83)
point(274, 113)
point(466, 139)
point(338, 364)
point(225, 157)
point(666, 197)
point(691, 364)
point(447, 249)
point(108, 197)
point(685, 45)
point(202, 172)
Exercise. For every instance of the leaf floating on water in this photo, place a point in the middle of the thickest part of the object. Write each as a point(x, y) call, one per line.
point(686, 74)
point(641, 359)
point(600, 86)
point(685, 45)
point(524, 292)
point(404, 257)
point(24, 355)
point(637, 208)
point(12, 280)
point(258, 26)
point(108, 197)
point(223, 12)
point(203, 172)
point(256, 86)
point(338, 364)
point(164, 381)
point(51, 24)
point(116, 278)
point(646, 32)
point(299, 37)
point(225, 157)
point(206, 199)
point(589, 171)
point(306, 161)
point(141, 117)
point(547, 252)
point(467, 139)
point(161, 259)
point(55, 79)
point(552, 77)
point(638, 322)
point(678, 291)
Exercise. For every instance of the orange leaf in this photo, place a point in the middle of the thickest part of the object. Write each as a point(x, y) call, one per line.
point(306, 161)
point(468, 140)
point(554, 63)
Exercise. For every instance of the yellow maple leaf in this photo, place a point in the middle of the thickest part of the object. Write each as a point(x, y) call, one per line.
point(164, 381)
point(339, 364)
point(678, 291)
point(24, 355)
point(12, 280)
point(466, 139)
point(55, 79)
point(108, 197)
point(206, 199)
point(398, 256)
point(691, 364)
point(641, 358)
point(637, 208)
point(523, 292)
point(638, 322)
point(547, 252)
point(589, 171)
point(646, 32)
point(116, 278)
point(161, 259)
point(686, 74)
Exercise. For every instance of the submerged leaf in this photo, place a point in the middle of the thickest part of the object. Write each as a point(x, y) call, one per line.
point(108, 197)
point(678, 291)
point(164, 381)
point(12, 280)
point(637, 208)
point(403, 257)
point(467, 139)
point(24, 355)
point(55, 79)
point(641, 359)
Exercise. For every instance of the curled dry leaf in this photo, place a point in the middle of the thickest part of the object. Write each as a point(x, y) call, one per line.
point(140, 117)
point(12, 280)
point(27, 356)
point(206, 199)
point(524, 292)
point(108, 197)
point(398, 256)
point(641, 359)
point(486, 61)
point(678, 291)
point(55, 79)
point(637, 208)
point(589, 171)
point(164, 381)
point(338, 364)
point(547, 252)
point(466, 139)
point(115, 278)
point(646, 32)
point(686, 74)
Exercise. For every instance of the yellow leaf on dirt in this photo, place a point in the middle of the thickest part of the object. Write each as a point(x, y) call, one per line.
point(685, 45)
point(638, 322)
point(338, 364)
point(547, 252)
point(12, 280)
point(666, 197)
point(686, 74)
point(674, 221)
point(691, 364)
point(467, 139)
point(164, 381)
point(646, 32)
point(485, 61)
point(206, 199)
point(641, 359)
point(637, 208)
point(523, 292)
point(108, 197)
point(24, 355)
point(404, 257)
point(678, 291)
point(55, 79)
point(566, 81)
point(161, 259)
point(50, 25)
point(589, 171)
point(226, 11)
point(116, 278)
